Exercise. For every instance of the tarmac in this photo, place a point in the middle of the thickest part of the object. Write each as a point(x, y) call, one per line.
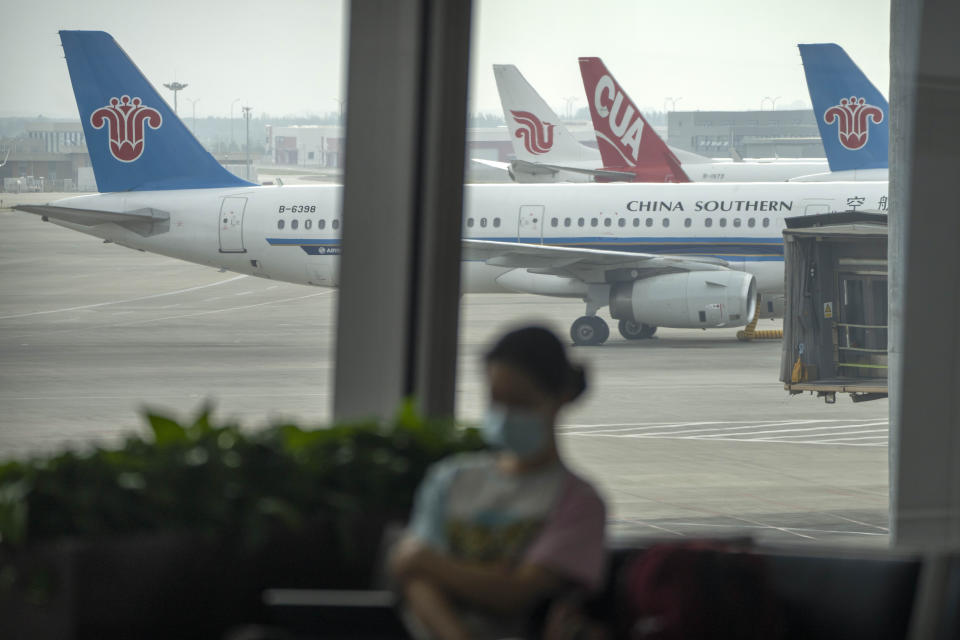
point(687, 434)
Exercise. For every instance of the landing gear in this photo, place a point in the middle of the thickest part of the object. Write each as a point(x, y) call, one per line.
point(589, 331)
point(632, 330)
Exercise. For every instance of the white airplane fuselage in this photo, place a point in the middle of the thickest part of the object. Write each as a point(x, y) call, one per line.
point(725, 171)
point(292, 233)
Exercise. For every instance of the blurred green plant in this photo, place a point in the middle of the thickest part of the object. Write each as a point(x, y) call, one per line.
point(225, 482)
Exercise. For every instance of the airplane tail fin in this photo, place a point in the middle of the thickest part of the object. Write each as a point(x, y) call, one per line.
point(851, 113)
point(535, 129)
point(135, 141)
point(624, 136)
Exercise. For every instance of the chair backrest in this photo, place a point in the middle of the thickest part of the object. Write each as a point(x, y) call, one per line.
point(846, 597)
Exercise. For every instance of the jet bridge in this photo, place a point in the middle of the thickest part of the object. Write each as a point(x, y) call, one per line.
point(835, 321)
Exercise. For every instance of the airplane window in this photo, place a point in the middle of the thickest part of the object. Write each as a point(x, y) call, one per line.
point(636, 222)
point(622, 222)
point(708, 222)
point(496, 222)
point(723, 222)
point(687, 222)
point(566, 222)
point(307, 223)
point(321, 223)
point(607, 222)
point(736, 222)
point(751, 222)
point(483, 222)
point(666, 222)
point(593, 222)
point(336, 223)
point(554, 222)
point(766, 222)
point(580, 222)
point(279, 224)
point(649, 222)
point(294, 223)
point(469, 222)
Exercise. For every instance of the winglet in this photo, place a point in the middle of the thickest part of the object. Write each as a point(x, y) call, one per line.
point(135, 140)
point(853, 116)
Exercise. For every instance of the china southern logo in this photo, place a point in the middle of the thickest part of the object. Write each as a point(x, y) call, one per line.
point(537, 136)
point(853, 118)
point(126, 120)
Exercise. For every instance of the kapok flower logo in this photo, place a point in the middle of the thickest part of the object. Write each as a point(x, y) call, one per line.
point(126, 120)
point(853, 118)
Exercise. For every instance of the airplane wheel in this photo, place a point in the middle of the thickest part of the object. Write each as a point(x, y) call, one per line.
point(632, 330)
point(589, 331)
point(604, 329)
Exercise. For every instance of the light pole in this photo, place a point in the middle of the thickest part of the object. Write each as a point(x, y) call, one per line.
point(232, 139)
point(175, 87)
point(193, 104)
point(773, 102)
point(570, 100)
point(341, 103)
point(673, 103)
point(246, 116)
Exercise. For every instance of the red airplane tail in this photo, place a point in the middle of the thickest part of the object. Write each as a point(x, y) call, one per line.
point(625, 138)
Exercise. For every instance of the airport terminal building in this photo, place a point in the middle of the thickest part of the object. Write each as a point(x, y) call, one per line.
point(52, 155)
point(753, 134)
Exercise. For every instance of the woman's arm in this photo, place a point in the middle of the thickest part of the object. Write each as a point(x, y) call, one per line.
point(499, 589)
point(433, 608)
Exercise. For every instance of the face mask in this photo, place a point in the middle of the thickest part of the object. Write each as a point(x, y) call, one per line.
point(523, 433)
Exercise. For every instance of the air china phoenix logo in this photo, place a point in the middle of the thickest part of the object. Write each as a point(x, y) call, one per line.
point(126, 120)
point(853, 118)
point(537, 136)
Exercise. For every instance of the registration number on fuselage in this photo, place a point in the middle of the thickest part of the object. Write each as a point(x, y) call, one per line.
point(297, 208)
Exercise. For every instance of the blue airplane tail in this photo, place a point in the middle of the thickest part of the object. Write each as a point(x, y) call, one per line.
point(135, 141)
point(852, 115)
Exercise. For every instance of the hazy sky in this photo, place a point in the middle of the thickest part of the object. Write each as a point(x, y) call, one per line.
point(284, 57)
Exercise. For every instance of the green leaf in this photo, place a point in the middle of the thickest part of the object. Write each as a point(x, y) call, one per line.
point(165, 430)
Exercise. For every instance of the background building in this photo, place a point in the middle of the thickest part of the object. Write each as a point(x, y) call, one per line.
point(754, 134)
point(44, 157)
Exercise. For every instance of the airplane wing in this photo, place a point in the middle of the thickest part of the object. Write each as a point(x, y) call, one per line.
point(538, 168)
point(145, 222)
point(588, 265)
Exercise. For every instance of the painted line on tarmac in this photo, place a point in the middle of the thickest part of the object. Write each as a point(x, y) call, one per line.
point(767, 526)
point(212, 311)
point(639, 428)
point(138, 299)
point(803, 430)
point(883, 423)
point(812, 431)
point(705, 432)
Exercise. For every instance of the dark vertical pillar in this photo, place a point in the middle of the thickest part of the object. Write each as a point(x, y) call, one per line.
point(925, 289)
point(402, 202)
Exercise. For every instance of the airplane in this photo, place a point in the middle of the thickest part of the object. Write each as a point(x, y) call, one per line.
point(852, 114)
point(672, 255)
point(619, 124)
point(546, 151)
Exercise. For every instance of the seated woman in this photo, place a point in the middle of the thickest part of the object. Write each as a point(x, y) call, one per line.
point(495, 534)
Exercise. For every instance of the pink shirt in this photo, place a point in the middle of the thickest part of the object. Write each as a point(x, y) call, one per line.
point(468, 507)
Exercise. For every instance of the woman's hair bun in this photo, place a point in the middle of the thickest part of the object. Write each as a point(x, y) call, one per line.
point(539, 353)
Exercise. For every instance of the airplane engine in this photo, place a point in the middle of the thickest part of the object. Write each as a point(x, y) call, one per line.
point(698, 299)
